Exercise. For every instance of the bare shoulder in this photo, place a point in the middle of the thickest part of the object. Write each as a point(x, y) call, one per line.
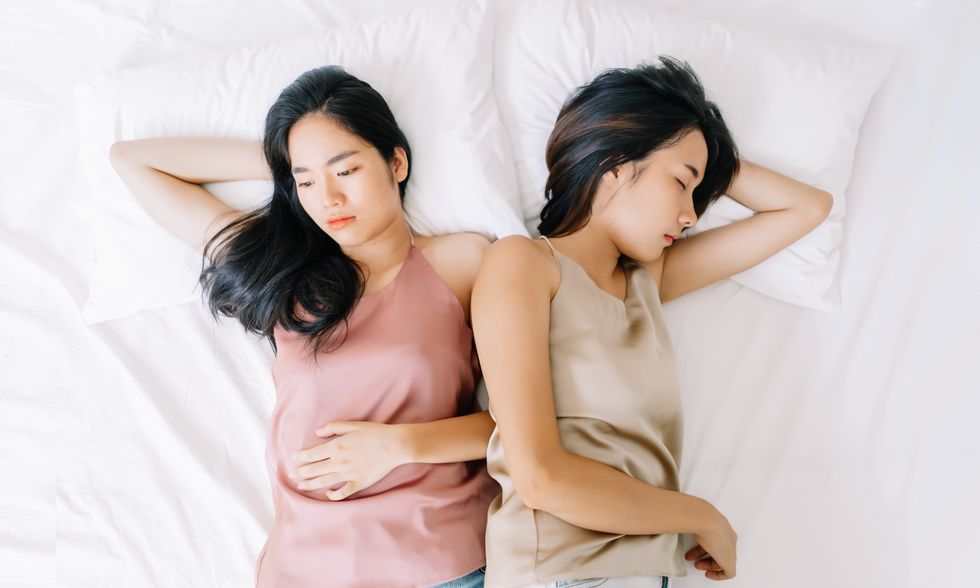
point(456, 253)
point(523, 260)
point(456, 258)
point(518, 247)
point(466, 241)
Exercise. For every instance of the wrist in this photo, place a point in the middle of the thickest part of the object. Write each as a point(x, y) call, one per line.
point(407, 446)
point(708, 518)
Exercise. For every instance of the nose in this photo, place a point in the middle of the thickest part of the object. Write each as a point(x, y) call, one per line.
point(688, 217)
point(332, 195)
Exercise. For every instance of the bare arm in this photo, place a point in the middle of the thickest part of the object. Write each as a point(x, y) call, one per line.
point(361, 453)
point(511, 309)
point(165, 175)
point(787, 210)
point(449, 440)
point(457, 258)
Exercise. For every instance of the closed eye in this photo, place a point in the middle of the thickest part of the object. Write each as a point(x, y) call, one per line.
point(305, 184)
point(681, 183)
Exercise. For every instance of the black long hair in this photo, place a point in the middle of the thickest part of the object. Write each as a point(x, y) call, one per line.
point(270, 263)
point(623, 115)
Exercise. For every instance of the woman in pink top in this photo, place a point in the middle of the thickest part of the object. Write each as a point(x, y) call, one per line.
point(375, 441)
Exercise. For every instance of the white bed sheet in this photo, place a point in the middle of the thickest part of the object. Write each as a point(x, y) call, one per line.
point(842, 446)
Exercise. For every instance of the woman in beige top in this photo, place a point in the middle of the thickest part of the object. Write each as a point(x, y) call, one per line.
point(577, 360)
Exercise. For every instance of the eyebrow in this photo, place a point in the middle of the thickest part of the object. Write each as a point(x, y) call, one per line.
point(330, 161)
point(690, 167)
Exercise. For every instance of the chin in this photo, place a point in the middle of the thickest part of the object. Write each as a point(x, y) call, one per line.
point(343, 238)
point(645, 256)
point(651, 258)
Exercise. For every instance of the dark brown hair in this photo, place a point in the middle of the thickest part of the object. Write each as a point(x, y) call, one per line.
point(623, 115)
point(275, 261)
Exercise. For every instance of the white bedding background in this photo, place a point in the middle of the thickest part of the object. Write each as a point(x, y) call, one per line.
point(843, 446)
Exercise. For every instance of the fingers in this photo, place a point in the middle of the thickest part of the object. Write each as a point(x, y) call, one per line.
point(705, 562)
point(708, 564)
point(715, 571)
point(712, 575)
point(327, 448)
point(319, 468)
point(702, 559)
point(324, 481)
point(343, 492)
point(316, 453)
point(338, 428)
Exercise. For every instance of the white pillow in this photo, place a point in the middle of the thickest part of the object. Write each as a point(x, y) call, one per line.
point(433, 66)
point(792, 105)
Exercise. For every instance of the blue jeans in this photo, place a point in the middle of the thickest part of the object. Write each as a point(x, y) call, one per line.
point(473, 579)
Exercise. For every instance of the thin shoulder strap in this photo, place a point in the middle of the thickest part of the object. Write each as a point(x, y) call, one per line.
point(554, 252)
point(550, 246)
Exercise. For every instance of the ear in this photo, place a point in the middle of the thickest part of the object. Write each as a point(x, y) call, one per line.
point(399, 165)
point(618, 175)
point(609, 185)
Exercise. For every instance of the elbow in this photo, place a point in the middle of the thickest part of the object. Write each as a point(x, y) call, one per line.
point(127, 153)
point(117, 153)
point(823, 203)
point(536, 482)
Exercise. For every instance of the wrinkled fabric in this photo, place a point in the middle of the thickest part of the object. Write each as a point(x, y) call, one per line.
point(408, 358)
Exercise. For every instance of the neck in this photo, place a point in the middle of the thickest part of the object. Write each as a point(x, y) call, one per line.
point(385, 251)
point(592, 250)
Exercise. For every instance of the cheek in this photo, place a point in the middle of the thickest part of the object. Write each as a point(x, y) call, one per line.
point(307, 202)
point(640, 220)
point(373, 193)
point(375, 202)
point(662, 202)
point(628, 217)
point(642, 208)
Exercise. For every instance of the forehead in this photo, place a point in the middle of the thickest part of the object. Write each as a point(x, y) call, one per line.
point(690, 149)
point(317, 136)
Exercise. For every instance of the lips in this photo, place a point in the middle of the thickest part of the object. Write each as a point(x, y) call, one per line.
point(670, 240)
point(340, 222)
